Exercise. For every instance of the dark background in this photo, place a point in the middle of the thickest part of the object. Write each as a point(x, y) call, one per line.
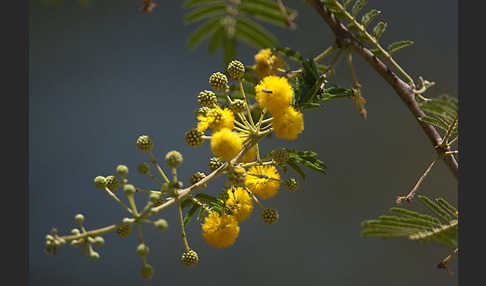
point(103, 74)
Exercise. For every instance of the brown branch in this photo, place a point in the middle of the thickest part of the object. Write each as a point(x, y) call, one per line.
point(344, 38)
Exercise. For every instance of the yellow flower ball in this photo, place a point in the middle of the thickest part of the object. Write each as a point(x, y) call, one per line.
point(274, 93)
point(226, 144)
point(249, 156)
point(288, 124)
point(220, 231)
point(267, 64)
point(263, 181)
point(240, 203)
point(216, 119)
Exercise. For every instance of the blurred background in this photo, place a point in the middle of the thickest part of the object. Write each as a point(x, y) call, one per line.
point(104, 73)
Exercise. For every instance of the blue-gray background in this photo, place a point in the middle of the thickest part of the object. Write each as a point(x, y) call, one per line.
point(102, 75)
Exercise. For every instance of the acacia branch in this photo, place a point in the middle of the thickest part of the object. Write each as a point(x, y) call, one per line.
point(344, 38)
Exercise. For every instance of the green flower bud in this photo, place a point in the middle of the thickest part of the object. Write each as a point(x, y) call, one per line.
point(99, 241)
point(49, 237)
point(100, 182)
point(79, 219)
point(218, 81)
point(144, 143)
point(207, 98)
point(122, 170)
point(94, 256)
point(142, 249)
point(196, 177)
point(173, 159)
point(190, 258)
point(75, 231)
point(194, 137)
point(236, 69)
point(214, 163)
point(292, 184)
point(237, 106)
point(143, 168)
point(147, 271)
point(203, 111)
point(269, 216)
point(161, 224)
point(129, 189)
point(280, 156)
point(112, 183)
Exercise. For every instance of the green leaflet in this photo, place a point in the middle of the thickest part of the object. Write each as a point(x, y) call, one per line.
point(442, 113)
point(204, 12)
point(396, 46)
point(417, 226)
point(262, 13)
point(202, 32)
point(369, 17)
point(305, 158)
point(195, 3)
point(216, 40)
point(254, 34)
point(357, 7)
point(379, 29)
point(190, 214)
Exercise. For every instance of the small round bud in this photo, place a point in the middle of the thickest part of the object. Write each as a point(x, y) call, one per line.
point(76, 243)
point(99, 241)
point(100, 182)
point(147, 271)
point(194, 137)
point(237, 106)
point(173, 159)
point(269, 216)
point(218, 81)
point(154, 197)
point(49, 237)
point(143, 168)
point(122, 170)
point(79, 219)
point(214, 163)
point(142, 249)
point(112, 183)
point(190, 258)
point(207, 98)
point(196, 177)
point(93, 256)
point(129, 189)
point(237, 175)
point(75, 231)
point(203, 111)
point(144, 143)
point(235, 69)
point(62, 241)
point(124, 229)
point(161, 224)
point(280, 156)
point(292, 184)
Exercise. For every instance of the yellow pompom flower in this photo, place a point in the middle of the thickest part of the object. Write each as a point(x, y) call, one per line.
point(225, 144)
point(274, 93)
point(288, 124)
point(249, 156)
point(220, 231)
point(267, 64)
point(240, 203)
point(263, 181)
point(216, 118)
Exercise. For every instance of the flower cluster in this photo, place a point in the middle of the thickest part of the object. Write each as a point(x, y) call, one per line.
point(234, 141)
point(235, 129)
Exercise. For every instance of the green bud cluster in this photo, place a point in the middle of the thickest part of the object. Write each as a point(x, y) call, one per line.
point(190, 258)
point(218, 81)
point(144, 143)
point(237, 105)
point(112, 183)
point(173, 159)
point(269, 216)
point(235, 69)
point(207, 98)
point(194, 137)
point(196, 177)
point(292, 184)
